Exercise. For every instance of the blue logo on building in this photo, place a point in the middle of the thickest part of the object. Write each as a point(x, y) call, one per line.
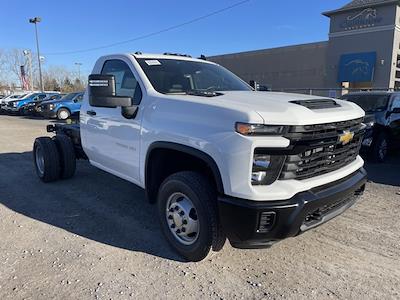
point(357, 67)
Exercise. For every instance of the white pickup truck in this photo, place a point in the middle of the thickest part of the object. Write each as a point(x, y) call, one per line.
point(219, 159)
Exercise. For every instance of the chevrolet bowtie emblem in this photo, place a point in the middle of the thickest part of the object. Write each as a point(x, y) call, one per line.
point(346, 137)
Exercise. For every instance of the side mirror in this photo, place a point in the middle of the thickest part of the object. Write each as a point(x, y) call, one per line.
point(102, 92)
point(258, 87)
point(254, 84)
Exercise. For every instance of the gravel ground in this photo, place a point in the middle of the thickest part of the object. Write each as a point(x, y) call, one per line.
point(95, 237)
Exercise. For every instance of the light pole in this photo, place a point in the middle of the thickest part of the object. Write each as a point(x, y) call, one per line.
point(36, 20)
point(28, 54)
point(79, 69)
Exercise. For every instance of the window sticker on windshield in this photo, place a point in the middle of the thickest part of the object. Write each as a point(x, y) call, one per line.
point(153, 62)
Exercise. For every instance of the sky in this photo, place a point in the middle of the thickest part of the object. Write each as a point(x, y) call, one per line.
point(75, 25)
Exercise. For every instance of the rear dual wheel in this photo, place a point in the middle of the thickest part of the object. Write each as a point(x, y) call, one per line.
point(54, 158)
point(47, 159)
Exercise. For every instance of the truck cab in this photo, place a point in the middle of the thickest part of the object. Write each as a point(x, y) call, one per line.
point(220, 160)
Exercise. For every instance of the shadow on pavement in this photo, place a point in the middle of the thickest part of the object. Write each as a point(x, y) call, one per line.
point(93, 204)
point(102, 207)
point(385, 173)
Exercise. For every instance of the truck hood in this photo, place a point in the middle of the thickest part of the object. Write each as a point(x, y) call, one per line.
point(279, 109)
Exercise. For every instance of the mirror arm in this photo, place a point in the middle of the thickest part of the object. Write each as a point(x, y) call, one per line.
point(129, 112)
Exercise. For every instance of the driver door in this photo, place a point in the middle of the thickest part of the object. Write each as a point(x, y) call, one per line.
point(112, 142)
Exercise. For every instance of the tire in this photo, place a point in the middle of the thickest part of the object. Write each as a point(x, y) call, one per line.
point(46, 159)
point(63, 114)
point(379, 148)
point(67, 156)
point(177, 191)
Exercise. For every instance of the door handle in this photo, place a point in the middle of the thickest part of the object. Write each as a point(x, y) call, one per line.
point(91, 112)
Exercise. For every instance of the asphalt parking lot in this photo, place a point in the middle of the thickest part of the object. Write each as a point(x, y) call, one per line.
point(95, 237)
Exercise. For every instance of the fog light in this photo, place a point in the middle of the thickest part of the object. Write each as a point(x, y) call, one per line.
point(266, 222)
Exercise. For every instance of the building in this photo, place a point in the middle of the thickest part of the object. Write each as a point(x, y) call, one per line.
point(363, 52)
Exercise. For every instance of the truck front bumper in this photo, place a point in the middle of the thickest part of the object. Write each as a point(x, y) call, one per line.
point(13, 110)
point(260, 224)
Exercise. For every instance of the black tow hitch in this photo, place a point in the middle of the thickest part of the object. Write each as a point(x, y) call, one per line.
point(50, 128)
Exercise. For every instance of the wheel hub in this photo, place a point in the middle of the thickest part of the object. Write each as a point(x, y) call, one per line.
point(63, 115)
point(39, 160)
point(182, 218)
point(178, 220)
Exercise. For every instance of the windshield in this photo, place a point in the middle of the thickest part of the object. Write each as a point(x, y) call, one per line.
point(51, 97)
point(26, 96)
point(369, 103)
point(69, 96)
point(18, 96)
point(170, 76)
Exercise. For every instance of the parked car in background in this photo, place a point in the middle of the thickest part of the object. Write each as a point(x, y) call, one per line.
point(4, 101)
point(33, 108)
point(63, 108)
point(382, 118)
point(17, 106)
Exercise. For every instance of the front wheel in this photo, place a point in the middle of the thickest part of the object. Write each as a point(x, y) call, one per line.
point(188, 214)
point(63, 114)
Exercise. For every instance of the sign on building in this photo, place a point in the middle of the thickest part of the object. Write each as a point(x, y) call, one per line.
point(357, 67)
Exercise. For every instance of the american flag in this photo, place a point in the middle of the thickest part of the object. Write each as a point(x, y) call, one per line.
point(24, 80)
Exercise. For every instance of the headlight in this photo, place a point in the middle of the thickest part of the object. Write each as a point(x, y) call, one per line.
point(259, 129)
point(15, 104)
point(266, 168)
point(370, 124)
point(51, 106)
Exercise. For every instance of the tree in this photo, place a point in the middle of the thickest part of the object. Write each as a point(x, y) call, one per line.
point(14, 60)
point(11, 61)
point(55, 78)
point(78, 85)
point(67, 86)
point(55, 86)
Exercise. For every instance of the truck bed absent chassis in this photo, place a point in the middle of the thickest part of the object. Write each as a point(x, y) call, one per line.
point(73, 132)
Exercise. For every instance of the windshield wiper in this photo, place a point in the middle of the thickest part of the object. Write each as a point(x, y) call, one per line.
point(201, 93)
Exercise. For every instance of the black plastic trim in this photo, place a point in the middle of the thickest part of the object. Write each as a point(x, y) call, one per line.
point(191, 151)
point(240, 217)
